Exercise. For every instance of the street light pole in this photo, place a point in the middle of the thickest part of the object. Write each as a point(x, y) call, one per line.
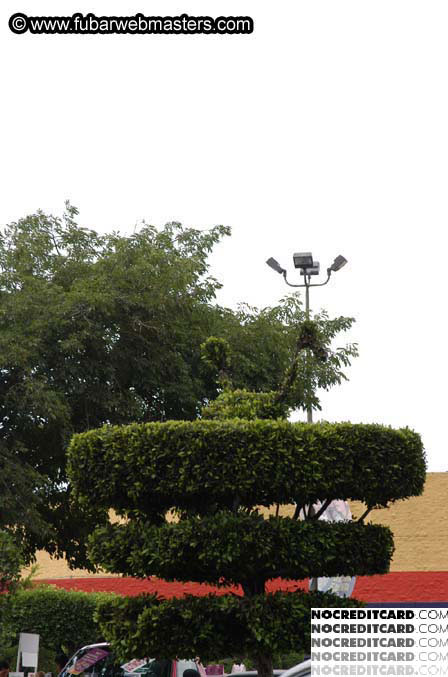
point(308, 267)
point(307, 278)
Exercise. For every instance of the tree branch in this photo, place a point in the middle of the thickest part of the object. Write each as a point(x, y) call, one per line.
point(322, 508)
point(296, 515)
point(364, 515)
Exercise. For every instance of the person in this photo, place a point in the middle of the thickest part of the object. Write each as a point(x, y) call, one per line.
point(4, 668)
point(238, 666)
point(200, 667)
point(61, 661)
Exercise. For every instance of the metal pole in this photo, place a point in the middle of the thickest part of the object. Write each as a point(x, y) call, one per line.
point(309, 409)
point(307, 299)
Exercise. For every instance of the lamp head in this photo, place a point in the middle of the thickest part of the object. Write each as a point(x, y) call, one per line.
point(272, 263)
point(303, 260)
point(314, 270)
point(338, 263)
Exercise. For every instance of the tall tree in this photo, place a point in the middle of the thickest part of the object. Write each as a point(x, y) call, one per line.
point(93, 329)
point(214, 473)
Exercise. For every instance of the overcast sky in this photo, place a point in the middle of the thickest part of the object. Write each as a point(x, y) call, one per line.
point(326, 130)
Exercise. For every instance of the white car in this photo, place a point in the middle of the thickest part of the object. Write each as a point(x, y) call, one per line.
point(300, 670)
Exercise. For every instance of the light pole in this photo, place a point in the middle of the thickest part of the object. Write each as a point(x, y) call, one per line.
point(308, 268)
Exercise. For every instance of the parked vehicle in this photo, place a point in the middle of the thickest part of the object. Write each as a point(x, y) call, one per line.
point(300, 670)
point(98, 660)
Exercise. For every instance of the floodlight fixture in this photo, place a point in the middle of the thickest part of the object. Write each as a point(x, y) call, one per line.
point(275, 265)
point(303, 260)
point(338, 263)
point(314, 270)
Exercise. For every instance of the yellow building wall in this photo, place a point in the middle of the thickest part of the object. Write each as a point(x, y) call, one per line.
point(419, 525)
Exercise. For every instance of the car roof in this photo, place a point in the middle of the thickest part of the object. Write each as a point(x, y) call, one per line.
point(92, 646)
point(300, 670)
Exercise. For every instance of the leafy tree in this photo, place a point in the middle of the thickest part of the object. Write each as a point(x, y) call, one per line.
point(264, 343)
point(101, 329)
point(93, 329)
point(19, 501)
point(214, 473)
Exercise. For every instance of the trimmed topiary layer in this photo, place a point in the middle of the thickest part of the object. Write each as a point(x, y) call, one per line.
point(156, 466)
point(192, 625)
point(243, 548)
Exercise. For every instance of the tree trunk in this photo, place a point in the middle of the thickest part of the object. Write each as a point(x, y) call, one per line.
point(263, 663)
point(254, 588)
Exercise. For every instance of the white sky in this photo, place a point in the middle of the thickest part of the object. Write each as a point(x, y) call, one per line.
point(326, 130)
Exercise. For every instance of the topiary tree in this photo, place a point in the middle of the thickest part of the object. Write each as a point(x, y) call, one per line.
point(215, 474)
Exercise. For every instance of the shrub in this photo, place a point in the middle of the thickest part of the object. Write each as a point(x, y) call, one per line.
point(57, 615)
point(244, 404)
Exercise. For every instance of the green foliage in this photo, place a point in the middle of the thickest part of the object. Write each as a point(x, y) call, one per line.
point(264, 345)
point(232, 548)
point(58, 616)
point(210, 625)
point(245, 404)
point(200, 464)
point(27, 581)
point(311, 337)
point(215, 354)
point(93, 329)
point(11, 562)
point(101, 329)
point(20, 486)
point(107, 329)
point(286, 660)
point(214, 473)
